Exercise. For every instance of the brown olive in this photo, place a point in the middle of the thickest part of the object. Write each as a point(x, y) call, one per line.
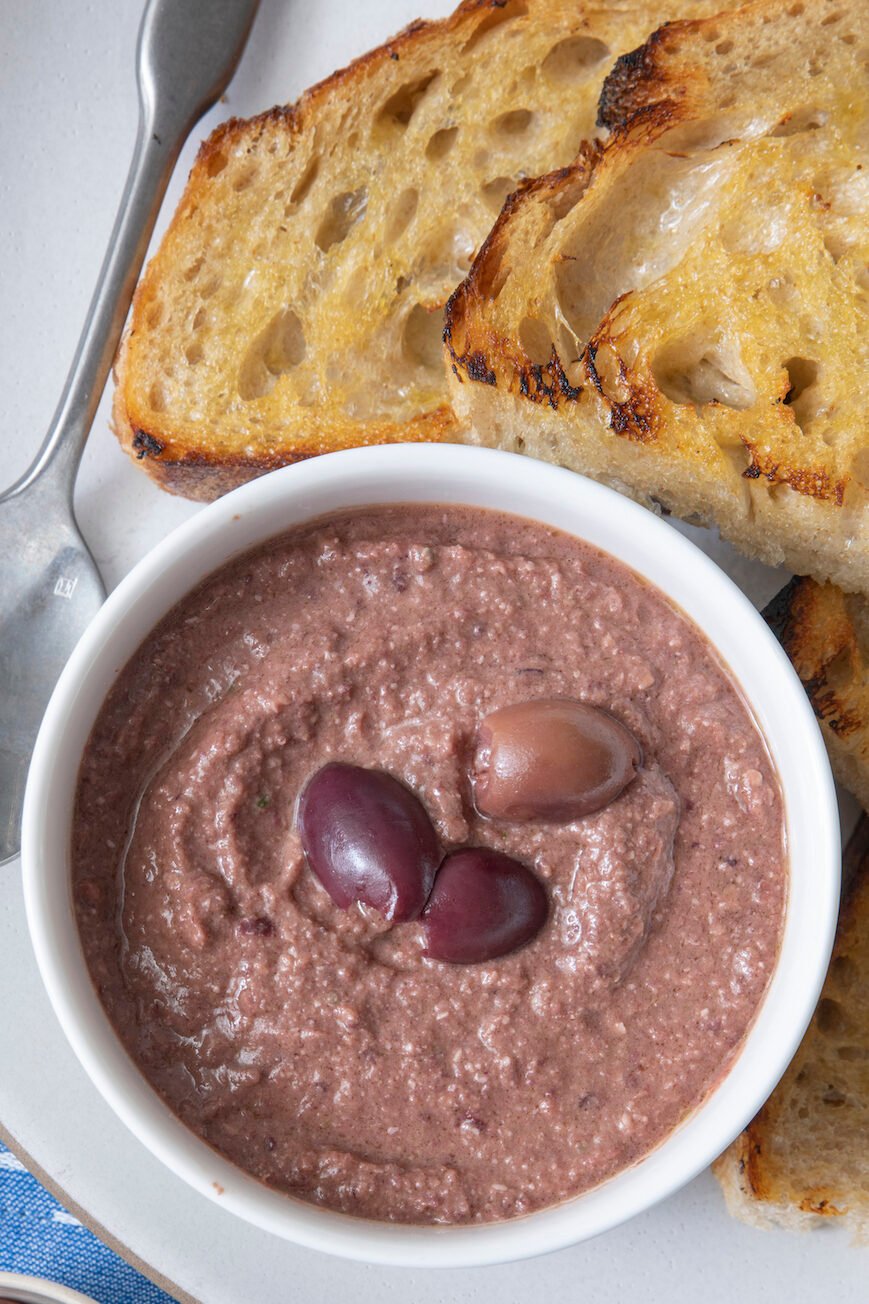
point(553, 760)
point(367, 838)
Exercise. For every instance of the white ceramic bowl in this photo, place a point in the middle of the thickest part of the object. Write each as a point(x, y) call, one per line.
point(479, 477)
point(37, 1290)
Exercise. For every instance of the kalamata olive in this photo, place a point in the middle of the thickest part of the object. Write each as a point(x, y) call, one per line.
point(368, 839)
point(553, 760)
point(483, 904)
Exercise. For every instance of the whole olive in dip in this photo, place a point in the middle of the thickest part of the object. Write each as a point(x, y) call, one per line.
point(483, 905)
point(367, 838)
point(553, 760)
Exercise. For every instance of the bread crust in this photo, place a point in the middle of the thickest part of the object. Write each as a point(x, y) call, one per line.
point(203, 473)
point(781, 1171)
point(825, 633)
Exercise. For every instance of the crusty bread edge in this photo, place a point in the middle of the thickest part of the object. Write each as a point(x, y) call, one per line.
point(738, 1174)
point(637, 88)
point(740, 1169)
point(846, 767)
point(625, 464)
point(202, 477)
point(814, 641)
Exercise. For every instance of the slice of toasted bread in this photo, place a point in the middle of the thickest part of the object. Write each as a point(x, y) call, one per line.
point(295, 304)
point(684, 313)
point(805, 1158)
point(825, 632)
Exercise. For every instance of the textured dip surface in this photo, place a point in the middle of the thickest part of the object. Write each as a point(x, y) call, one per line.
point(318, 1048)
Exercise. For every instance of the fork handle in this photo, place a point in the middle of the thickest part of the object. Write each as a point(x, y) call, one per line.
point(187, 52)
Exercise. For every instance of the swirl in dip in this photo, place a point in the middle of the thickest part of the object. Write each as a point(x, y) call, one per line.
point(319, 1048)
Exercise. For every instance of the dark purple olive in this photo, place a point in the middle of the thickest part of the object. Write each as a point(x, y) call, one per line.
point(484, 904)
point(368, 839)
point(552, 760)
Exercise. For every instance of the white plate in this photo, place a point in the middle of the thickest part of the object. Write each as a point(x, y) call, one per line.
point(36, 1290)
point(66, 90)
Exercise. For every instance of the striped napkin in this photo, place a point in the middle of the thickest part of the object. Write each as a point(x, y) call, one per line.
point(39, 1237)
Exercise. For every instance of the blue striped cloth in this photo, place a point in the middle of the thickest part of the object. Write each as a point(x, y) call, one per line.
point(38, 1236)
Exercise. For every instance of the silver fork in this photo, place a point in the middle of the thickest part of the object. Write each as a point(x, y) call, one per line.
point(49, 583)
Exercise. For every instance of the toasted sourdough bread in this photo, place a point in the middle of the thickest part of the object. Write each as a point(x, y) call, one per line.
point(825, 632)
point(805, 1159)
point(684, 313)
point(295, 303)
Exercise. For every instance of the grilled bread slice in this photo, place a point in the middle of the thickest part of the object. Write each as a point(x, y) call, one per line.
point(295, 304)
point(684, 313)
point(804, 1159)
point(825, 632)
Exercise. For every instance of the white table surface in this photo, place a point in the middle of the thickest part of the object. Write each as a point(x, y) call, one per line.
point(67, 123)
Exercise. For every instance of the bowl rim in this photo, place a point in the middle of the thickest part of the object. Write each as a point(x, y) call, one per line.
point(439, 473)
point(26, 1289)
